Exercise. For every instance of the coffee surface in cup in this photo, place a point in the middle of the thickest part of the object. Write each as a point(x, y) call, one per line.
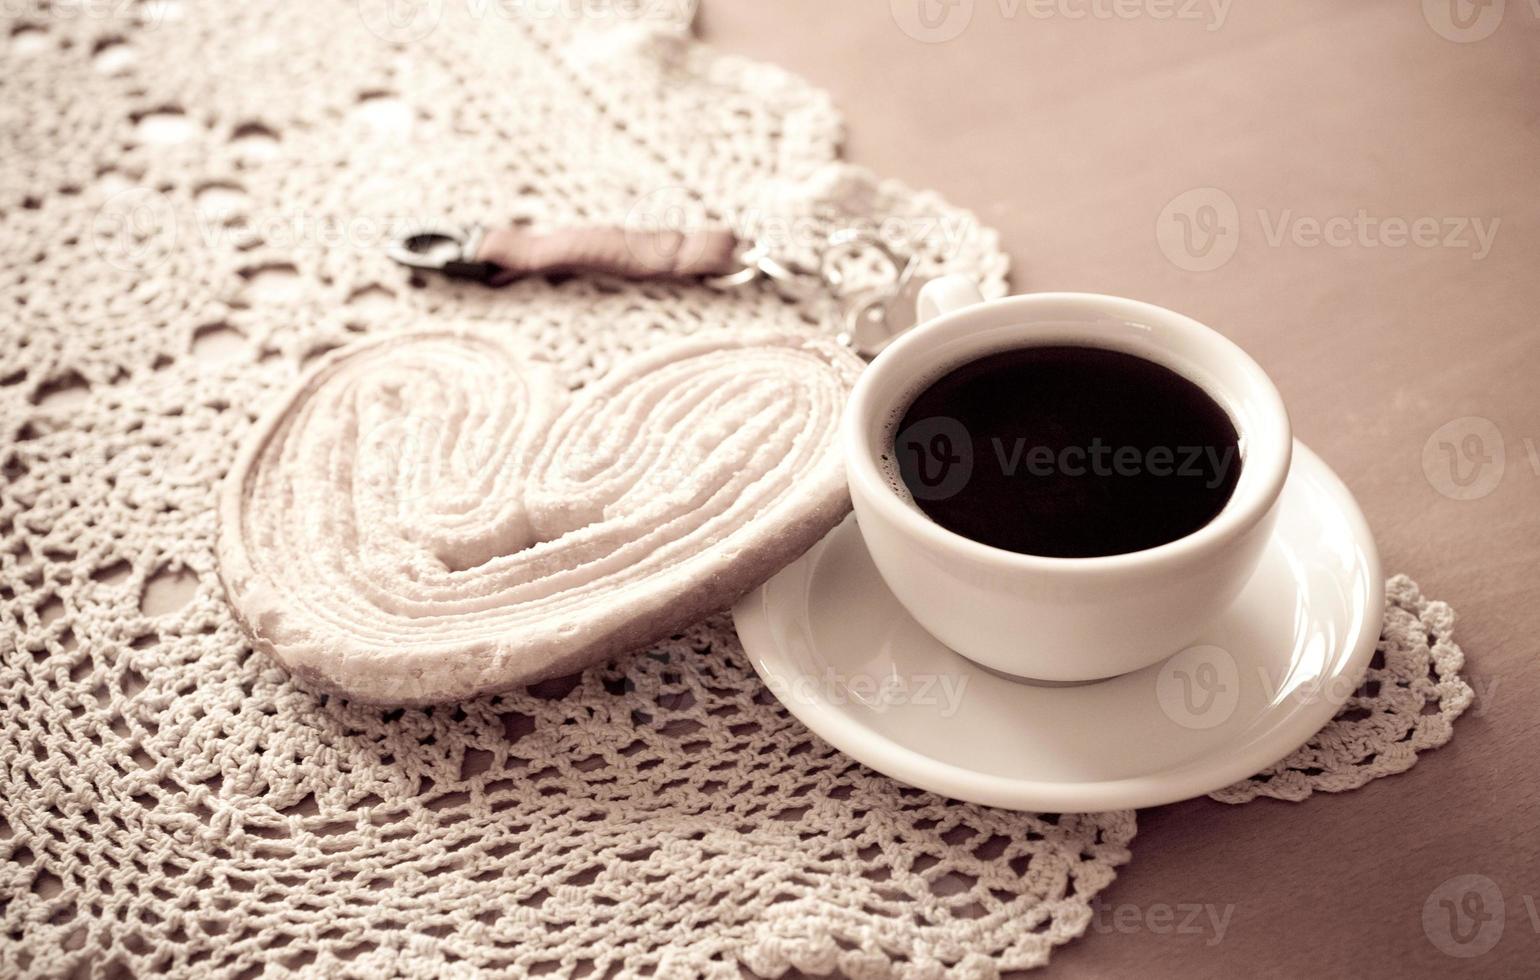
point(1067, 452)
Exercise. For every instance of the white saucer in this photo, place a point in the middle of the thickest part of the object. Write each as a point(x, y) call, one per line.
point(833, 644)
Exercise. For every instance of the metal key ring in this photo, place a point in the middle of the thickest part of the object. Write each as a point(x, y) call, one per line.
point(758, 264)
point(451, 251)
point(846, 237)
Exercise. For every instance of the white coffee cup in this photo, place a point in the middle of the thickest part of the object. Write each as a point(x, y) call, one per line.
point(1061, 619)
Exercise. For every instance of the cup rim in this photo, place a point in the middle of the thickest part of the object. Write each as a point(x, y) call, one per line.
point(1268, 440)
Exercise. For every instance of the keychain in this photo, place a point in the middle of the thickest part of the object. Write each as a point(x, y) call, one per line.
point(715, 257)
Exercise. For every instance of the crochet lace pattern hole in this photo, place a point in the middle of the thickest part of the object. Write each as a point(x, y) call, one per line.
point(27, 41)
point(215, 343)
point(254, 141)
point(277, 282)
point(62, 394)
point(383, 115)
point(221, 200)
point(165, 126)
point(112, 55)
point(166, 591)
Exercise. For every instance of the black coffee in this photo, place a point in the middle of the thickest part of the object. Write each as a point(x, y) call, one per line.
point(1067, 452)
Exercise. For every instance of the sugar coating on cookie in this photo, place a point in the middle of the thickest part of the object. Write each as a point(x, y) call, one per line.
point(433, 516)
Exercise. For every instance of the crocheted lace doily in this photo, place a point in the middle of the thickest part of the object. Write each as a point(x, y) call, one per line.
point(195, 199)
point(1406, 704)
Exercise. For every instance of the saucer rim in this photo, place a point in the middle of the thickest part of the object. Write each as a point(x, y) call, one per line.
point(1186, 781)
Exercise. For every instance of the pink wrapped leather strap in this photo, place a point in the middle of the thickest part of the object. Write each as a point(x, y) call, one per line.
point(629, 253)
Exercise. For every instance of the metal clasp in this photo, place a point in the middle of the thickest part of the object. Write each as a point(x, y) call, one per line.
point(450, 251)
point(757, 263)
point(874, 317)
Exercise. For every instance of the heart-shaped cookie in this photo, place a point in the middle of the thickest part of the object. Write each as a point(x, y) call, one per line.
point(432, 516)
